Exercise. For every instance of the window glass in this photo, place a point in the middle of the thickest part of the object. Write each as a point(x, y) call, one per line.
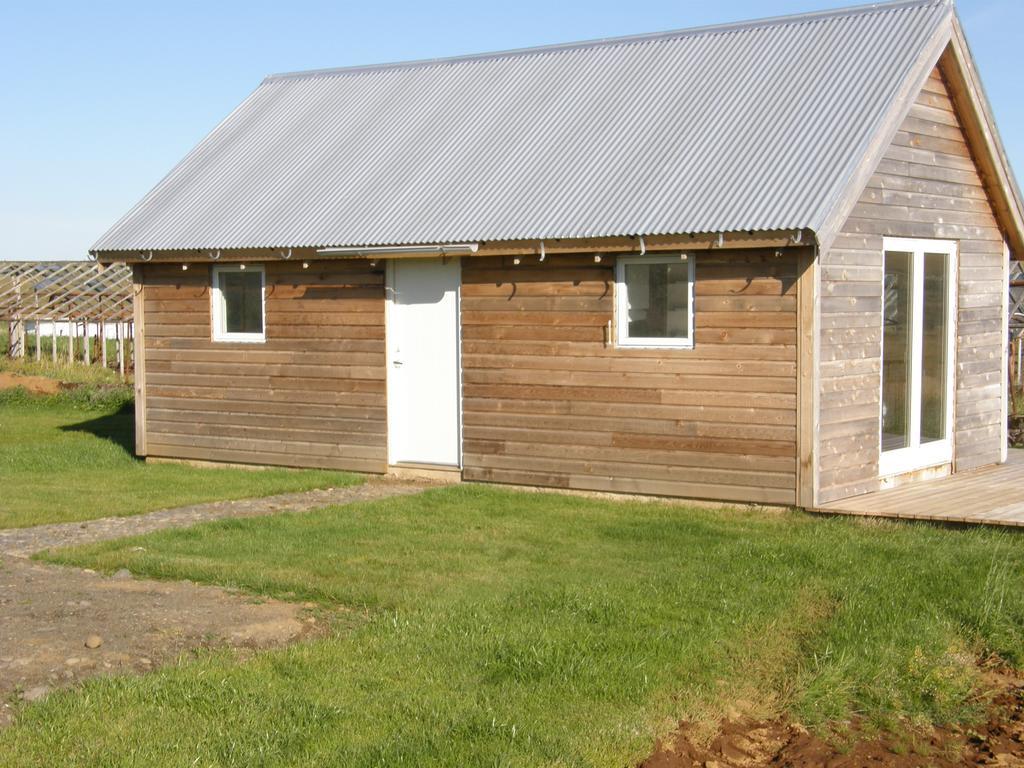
point(654, 297)
point(935, 315)
point(896, 348)
point(658, 298)
point(242, 294)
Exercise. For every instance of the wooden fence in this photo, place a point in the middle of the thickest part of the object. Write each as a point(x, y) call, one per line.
point(80, 310)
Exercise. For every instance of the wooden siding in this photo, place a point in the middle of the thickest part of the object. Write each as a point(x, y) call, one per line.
point(313, 395)
point(926, 186)
point(548, 402)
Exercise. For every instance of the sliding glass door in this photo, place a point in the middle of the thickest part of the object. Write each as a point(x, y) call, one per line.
point(917, 354)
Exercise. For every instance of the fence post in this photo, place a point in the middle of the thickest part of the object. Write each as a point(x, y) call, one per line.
point(1016, 368)
point(120, 348)
point(1012, 367)
point(71, 341)
point(16, 327)
point(53, 340)
point(16, 338)
point(1020, 363)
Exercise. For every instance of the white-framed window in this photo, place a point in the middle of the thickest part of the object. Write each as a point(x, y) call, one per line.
point(654, 301)
point(238, 303)
point(918, 335)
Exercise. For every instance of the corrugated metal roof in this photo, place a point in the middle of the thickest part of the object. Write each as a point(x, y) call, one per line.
point(752, 126)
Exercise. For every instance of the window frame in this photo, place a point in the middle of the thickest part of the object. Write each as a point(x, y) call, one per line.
point(218, 315)
point(622, 336)
point(918, 455)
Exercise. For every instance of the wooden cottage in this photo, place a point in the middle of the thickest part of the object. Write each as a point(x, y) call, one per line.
point(762, 262)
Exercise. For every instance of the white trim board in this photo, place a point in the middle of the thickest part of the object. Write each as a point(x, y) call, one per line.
point(622, 337)
point(217, 308)
point(1005, 368)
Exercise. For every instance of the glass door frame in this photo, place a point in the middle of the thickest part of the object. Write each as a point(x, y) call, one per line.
point(918, 455)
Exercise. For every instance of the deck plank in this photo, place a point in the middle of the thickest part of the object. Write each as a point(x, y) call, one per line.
point(991, 495)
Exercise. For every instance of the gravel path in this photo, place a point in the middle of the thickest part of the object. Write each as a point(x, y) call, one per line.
point(61, 625)
point(22, 542)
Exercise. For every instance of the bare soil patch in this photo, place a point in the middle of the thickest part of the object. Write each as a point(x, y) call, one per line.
point(748, 743)
point(51, 615)
point(37, 385)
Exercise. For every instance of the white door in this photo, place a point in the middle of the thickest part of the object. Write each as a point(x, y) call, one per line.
point(918, 331)
point(423, 362)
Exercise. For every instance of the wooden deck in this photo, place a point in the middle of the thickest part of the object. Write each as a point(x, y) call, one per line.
point(992, 495)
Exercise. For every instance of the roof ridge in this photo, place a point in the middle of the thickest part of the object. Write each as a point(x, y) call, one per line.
point(794, 18)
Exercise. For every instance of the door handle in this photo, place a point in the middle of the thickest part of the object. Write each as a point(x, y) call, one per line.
point(396, 363)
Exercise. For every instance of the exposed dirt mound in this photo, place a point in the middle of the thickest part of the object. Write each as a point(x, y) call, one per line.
point(755, 744)
point(59, 626)
point(37, 385)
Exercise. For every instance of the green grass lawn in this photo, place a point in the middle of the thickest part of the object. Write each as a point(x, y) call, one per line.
point(498, 628)
point(69, 457)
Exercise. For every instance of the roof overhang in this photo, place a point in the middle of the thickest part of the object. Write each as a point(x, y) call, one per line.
point(400, 251)
point(705, 241)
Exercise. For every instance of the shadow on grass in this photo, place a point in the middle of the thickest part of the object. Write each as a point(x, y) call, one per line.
point(118, 427)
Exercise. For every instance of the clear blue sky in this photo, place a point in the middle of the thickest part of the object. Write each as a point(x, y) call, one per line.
point(101, 98)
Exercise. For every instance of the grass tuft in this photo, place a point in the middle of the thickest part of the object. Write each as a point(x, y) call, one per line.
point(86, 397)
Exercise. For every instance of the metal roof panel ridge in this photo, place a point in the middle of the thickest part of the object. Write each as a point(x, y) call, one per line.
point(736, 26)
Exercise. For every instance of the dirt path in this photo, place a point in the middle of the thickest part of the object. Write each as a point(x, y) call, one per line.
point(61, 625)
point(22, 542)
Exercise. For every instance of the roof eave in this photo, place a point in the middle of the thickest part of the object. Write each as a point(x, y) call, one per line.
point(697, 241)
